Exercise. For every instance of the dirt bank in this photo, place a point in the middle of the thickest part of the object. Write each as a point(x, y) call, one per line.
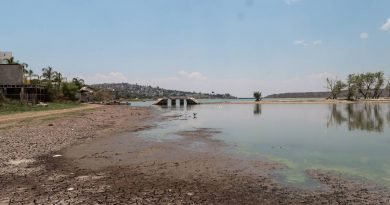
point(35, 114)
point(94, 157)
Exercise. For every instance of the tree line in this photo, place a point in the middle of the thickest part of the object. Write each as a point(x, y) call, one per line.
point(369, 85)
point(57, 86)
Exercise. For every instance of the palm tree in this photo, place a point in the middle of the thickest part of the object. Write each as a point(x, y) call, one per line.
point(48, 73)
point(57, 77)
point(257, 95)
point(24, 65)
point(11, 61)
point(25, 71)
point(30, 74)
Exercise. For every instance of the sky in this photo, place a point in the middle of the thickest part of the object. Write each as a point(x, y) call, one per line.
point(226, 46)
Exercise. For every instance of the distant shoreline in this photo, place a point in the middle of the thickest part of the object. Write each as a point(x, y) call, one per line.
point(304, 101)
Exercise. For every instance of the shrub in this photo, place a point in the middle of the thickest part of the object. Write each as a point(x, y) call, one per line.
point(2, 97)
point(257, 95)
point(70, 91)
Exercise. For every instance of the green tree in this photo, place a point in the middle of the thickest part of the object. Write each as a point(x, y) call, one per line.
point(369, 84)
point(11, 61)
point(78, 82)
point(48, 73)
point(379, 82)
point(363, 83)
point(351, 87)
point(334, 86)
point(52, 93)
point(257, 95)
point(70, 90)
point(360, 85)
point(30, 74)
point(57, 78)
point(368, 80)
point(388, 87)
point(25, 66)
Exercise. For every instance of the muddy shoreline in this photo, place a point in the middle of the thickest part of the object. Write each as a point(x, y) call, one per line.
point(94, 157)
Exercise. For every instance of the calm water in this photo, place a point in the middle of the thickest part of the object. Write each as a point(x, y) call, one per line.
point(353, 139)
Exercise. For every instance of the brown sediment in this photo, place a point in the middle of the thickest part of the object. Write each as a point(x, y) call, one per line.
point(25, 140)
point(95, 157)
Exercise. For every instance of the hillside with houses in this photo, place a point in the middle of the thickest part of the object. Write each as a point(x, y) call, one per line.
point(127, 90)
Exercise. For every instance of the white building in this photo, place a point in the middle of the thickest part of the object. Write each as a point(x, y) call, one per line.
point(5, 55)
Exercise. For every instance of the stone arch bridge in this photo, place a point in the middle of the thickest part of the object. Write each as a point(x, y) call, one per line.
point(177, 101)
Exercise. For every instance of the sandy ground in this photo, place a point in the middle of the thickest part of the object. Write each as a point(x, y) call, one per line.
point(95, 157)
point(25, 115)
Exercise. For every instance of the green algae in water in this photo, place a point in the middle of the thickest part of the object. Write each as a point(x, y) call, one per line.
point(292, 175)
point(353, 139)
point(290, 164)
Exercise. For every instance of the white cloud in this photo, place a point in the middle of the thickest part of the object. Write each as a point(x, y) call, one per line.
point(317, 42)
point(290, 2)
point(305, 43)
point(111, 77)
point(386, 25)
point(364, 35)
point(192, 75)
point(299, 42)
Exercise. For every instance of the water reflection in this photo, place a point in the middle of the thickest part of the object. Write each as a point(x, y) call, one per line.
point(184, 108)
point(388, 115)
point(257, 109)
point(304, 142)
point(368, 117)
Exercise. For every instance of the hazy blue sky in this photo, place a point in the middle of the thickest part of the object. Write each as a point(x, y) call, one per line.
point(235, 46)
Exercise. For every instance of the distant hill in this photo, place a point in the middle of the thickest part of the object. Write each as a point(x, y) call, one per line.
point(312, 95)
point(127, 90)
point(300, 95)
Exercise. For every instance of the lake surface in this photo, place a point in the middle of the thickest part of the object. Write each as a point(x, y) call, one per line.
point(148, 103)
point(353, 139)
